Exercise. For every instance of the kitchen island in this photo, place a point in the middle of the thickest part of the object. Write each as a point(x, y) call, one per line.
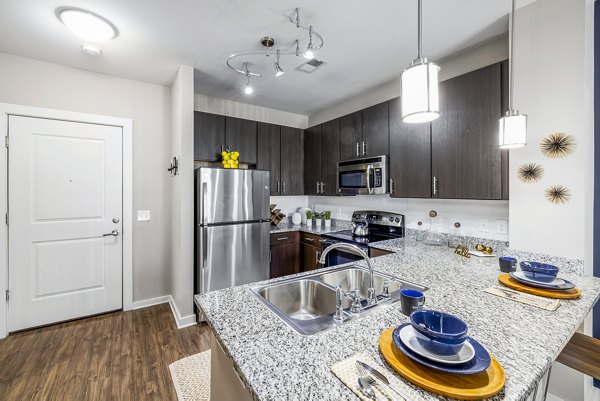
point(275, 363)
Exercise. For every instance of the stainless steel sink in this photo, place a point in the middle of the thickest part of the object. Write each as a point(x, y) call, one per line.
point(307, 303)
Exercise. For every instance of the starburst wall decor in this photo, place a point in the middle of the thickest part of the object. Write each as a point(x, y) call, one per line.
point(558, 194)
point(530, 172)
point(557, 145)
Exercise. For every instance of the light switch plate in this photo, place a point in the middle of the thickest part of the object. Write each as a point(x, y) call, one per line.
point(143, 215)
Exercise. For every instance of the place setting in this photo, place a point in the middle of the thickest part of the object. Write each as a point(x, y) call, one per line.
point(536, 278)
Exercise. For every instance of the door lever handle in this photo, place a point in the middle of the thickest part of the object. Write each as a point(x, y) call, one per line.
point(113, 233)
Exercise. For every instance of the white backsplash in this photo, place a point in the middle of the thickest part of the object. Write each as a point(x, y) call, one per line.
point(289, 204)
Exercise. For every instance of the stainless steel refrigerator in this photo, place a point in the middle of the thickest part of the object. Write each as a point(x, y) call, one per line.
point(232, 227)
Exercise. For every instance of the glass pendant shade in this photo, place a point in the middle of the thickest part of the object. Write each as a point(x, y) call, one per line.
point(512, 130)
point(420, 98)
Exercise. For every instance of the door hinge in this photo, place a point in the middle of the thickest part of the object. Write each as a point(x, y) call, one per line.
point(6, 141)
point(7, 295)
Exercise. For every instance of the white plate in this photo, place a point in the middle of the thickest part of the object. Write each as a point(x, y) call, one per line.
point(408, 336)
point(556, 282)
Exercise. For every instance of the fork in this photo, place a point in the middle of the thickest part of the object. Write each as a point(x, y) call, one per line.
point(367, 376)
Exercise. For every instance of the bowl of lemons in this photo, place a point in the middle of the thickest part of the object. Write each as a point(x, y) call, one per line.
point(230, 159)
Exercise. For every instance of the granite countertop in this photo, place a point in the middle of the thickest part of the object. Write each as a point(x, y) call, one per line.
point(287, 226)
point(276, 363)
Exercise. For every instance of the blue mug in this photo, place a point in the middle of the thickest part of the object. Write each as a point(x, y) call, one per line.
point(507, 264)
point(411, 300)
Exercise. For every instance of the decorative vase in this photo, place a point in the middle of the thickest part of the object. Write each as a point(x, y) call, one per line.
point(327, 223)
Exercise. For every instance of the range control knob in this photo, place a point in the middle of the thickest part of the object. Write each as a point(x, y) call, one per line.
point(397, 220)
point(391, 219)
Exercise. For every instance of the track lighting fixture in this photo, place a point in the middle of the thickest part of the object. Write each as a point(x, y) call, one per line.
point(419, 99)
point(513, 126)
point(269, 44)
point(278, 70)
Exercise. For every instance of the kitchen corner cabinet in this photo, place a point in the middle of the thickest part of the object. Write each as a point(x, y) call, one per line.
point(285, 254)
point(310, 247)
point(410, 156)
point(292, 161)
point(466, 162)
point(350, 136)
point(209, 136)
point(321, 155)
point(268, 150)
point(240, 135)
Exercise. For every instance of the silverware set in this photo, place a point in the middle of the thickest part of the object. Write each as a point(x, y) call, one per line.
point(369, 377)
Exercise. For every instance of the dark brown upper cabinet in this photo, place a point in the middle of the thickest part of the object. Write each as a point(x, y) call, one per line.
point(292, 161)
point(466, 160)
point(351, 136)
point(375, 130)
point(312, 160)
point(240, 135)
point(209, 136)
point(268, 153)
point(330, 156)
point(410, 156)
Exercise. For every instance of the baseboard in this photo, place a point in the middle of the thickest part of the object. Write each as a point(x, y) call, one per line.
point(181, 321)
point(144, 303)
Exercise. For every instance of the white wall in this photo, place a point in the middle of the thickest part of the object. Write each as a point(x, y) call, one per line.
point(463, 63)
point(182, 195)
point(36, 83)
point(247, 111)
point(549, 88)
point(469, 213)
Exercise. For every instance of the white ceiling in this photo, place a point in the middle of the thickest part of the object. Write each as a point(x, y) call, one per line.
point(367, 43)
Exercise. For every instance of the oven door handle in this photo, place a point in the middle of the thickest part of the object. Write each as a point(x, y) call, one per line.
point(369, 169)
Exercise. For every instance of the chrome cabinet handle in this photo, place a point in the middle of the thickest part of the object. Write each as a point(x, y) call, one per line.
point(282, 238)
point(113, 233)
point(357, 149)
point(364, 148)
point(317, 256)
point(309, 239)
point(435, 186)
point(283, 188)
point(391, 186)
point(322, 187)
point(278, 187)
point(318, 186)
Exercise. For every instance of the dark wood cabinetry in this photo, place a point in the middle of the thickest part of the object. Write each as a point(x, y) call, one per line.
point(350, 136)
point(310, 248)
point(312, 160)
point(240, 135)
point(375, 130)
point(466, 160)
point(209, 136)
point(268, 153)
point(285, 254)
point(292, 161)
point(330, 156)
point(410, 156)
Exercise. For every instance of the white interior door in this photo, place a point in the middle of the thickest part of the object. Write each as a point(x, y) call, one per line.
point(65, 195)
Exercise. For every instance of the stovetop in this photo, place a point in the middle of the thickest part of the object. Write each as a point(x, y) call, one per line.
point(347, 236)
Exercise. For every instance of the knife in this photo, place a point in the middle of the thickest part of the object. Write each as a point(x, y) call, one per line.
point(379, 376)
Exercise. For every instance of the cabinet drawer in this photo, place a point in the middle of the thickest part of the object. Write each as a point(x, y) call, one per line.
point(284, 238)
point(310, 239)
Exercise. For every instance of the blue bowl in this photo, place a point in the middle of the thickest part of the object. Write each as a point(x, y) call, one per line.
point(541, 272)
point(439, 332)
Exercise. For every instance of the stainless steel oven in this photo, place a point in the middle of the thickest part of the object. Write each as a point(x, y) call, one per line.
point(367, 176)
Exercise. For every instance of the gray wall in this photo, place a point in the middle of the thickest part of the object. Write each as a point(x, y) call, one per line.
point(40, 84)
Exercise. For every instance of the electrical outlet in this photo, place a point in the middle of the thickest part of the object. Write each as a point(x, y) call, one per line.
point(143, 215)
point(501, 227)
point(484, 225)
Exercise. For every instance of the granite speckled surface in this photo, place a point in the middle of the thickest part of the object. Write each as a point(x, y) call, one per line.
point(287, 226)
point(276, 363)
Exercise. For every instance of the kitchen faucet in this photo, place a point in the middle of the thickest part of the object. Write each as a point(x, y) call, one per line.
point(372, 299)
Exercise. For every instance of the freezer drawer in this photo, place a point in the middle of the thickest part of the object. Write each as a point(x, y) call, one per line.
point(231, 195)
point(232, 254)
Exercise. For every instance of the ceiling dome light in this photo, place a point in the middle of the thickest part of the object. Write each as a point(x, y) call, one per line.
point(513, 126)
point(86, 25)
point(420, 98)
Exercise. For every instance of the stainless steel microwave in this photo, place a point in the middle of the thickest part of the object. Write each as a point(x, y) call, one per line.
point(368, 176)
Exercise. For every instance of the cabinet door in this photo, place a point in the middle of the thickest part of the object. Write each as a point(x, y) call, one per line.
point(410, 156)
point(209, 136)
point(310, 257)
point(330, 156)
point(375, 130)
point(268, 145)
point(285, 260)
point(240, 135)
point(292, 161)
point(466, 160)
point(351, 136)
point(312, 160)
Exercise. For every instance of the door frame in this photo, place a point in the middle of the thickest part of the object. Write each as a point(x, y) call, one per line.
point(7, 109)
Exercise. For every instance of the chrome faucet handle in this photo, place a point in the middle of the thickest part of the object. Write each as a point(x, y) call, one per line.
point(339, 298)
point(372, 296)
point(386, 289)
point(356, 305)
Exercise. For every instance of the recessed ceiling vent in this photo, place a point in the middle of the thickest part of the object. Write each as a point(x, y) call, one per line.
point(312, 65)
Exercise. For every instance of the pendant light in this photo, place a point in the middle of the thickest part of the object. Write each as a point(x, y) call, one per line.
point(278, 70)
point(513, 126)
point(248, 90)
point(420, 99)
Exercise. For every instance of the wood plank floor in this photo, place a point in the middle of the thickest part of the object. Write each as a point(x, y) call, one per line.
point(116, 356)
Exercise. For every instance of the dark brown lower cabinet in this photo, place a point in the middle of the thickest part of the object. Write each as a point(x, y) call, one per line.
point(285, 254)
point(310, 247)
